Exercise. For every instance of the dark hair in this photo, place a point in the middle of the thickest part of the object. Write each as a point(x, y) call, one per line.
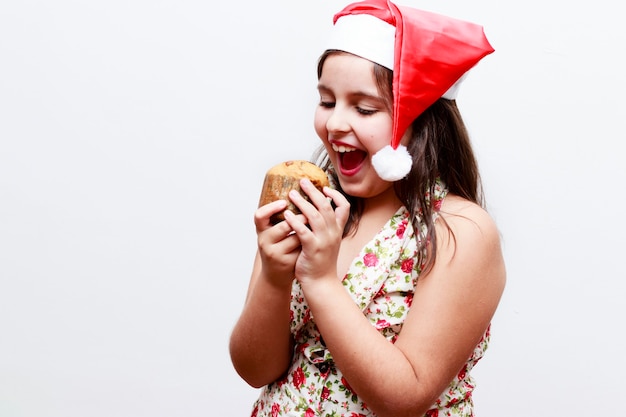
point(441, 149)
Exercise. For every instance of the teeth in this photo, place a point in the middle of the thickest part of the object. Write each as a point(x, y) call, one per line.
point(342, 148)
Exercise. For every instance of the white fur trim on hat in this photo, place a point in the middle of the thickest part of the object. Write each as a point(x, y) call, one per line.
point(366, 36)
point(392, 164)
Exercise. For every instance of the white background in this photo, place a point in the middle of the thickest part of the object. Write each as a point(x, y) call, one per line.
point(134, 136)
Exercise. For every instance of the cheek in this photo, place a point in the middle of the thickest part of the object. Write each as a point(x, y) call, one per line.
point(376, 136)
point(319, 123)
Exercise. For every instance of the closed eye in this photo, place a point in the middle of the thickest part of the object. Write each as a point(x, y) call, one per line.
point(327, 104)
point(365, 112)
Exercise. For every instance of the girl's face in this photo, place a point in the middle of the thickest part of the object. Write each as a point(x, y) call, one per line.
point(353, 122)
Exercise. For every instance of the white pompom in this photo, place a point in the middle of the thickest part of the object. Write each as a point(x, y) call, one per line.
point(392, 164)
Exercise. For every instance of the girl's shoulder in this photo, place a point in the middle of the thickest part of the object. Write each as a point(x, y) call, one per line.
point(458, 211)
point(466, 226)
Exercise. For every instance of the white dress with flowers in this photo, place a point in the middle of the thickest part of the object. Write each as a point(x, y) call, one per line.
point(381, 280)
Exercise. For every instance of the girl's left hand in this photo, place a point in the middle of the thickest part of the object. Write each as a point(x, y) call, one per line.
point(321, 234)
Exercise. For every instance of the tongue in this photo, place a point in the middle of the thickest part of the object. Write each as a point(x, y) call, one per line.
point(351, 160)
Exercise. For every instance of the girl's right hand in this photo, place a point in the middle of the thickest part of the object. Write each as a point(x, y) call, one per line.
point(279, 246)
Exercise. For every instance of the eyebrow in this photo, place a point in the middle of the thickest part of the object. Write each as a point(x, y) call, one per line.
point(359, 94)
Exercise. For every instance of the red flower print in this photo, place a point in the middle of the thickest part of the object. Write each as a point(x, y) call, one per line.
point(437, 205)
point(401, 229)
point(381, 324)
point(345, 384)
point(300, 348)
point(309, 413)
point(380, 292)
point(408, 300)
point(432, 413)
point(325, 394)
point(298, 377)
point(462, 372)
point(255, 411)
point(407, 265)
point(275, 409)
point(370, 259)
point(357, 415)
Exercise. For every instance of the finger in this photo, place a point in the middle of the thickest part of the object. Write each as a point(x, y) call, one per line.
point(342, 205)
point(279, 233)
point(310, 212)
point(262, 214)
point(317, 209)
point(287, 244)
point(319, 200)
point(282, 256)
point(297, 223)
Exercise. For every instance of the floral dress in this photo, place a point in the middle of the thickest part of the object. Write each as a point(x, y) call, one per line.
point(381, 281)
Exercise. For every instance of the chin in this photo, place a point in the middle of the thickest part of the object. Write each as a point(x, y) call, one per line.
point(361, 189)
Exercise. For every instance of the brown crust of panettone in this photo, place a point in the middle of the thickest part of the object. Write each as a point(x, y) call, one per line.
point(286, 176)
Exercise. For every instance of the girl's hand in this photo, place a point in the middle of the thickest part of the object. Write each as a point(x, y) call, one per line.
point(320, 233)
point(278, 246)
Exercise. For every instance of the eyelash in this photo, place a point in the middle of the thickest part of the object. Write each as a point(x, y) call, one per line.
point(365, 112)
point(361, 111)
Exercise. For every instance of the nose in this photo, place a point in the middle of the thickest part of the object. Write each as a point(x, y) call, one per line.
point(338, 120)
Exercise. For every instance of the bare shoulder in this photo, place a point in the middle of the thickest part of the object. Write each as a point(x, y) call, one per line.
point(468, 244)
point(468, 223)
point(458, 207)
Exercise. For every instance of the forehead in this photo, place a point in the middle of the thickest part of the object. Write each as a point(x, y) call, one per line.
point(346, 68)
point(343, 71)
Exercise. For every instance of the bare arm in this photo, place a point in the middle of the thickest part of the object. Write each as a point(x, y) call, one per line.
point(261, 343)
point(452, 307)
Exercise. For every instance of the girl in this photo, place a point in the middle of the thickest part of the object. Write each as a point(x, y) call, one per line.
point(377, 299)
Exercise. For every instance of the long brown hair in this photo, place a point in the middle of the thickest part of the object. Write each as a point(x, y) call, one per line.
point(441, 149)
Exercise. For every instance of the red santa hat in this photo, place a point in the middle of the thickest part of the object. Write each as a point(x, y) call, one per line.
point(428, 53)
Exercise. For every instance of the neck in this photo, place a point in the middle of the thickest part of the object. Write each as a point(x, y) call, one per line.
point(383, 205)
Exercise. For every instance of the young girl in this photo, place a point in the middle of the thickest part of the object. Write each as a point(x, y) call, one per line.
point(377, 299)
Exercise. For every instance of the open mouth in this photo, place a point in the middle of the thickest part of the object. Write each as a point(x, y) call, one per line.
point(350, 159)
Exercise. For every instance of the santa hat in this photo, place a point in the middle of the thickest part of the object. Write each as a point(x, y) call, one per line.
point(428, 53)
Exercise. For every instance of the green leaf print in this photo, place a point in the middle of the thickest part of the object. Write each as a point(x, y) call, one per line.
point(398, 313)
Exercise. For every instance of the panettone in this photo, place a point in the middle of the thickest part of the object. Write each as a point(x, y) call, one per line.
point(286, 176)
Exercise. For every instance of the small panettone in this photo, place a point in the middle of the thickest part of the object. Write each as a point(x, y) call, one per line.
point(286, 176)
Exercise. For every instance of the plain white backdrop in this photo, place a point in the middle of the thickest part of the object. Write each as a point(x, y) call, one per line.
point(134, 136)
